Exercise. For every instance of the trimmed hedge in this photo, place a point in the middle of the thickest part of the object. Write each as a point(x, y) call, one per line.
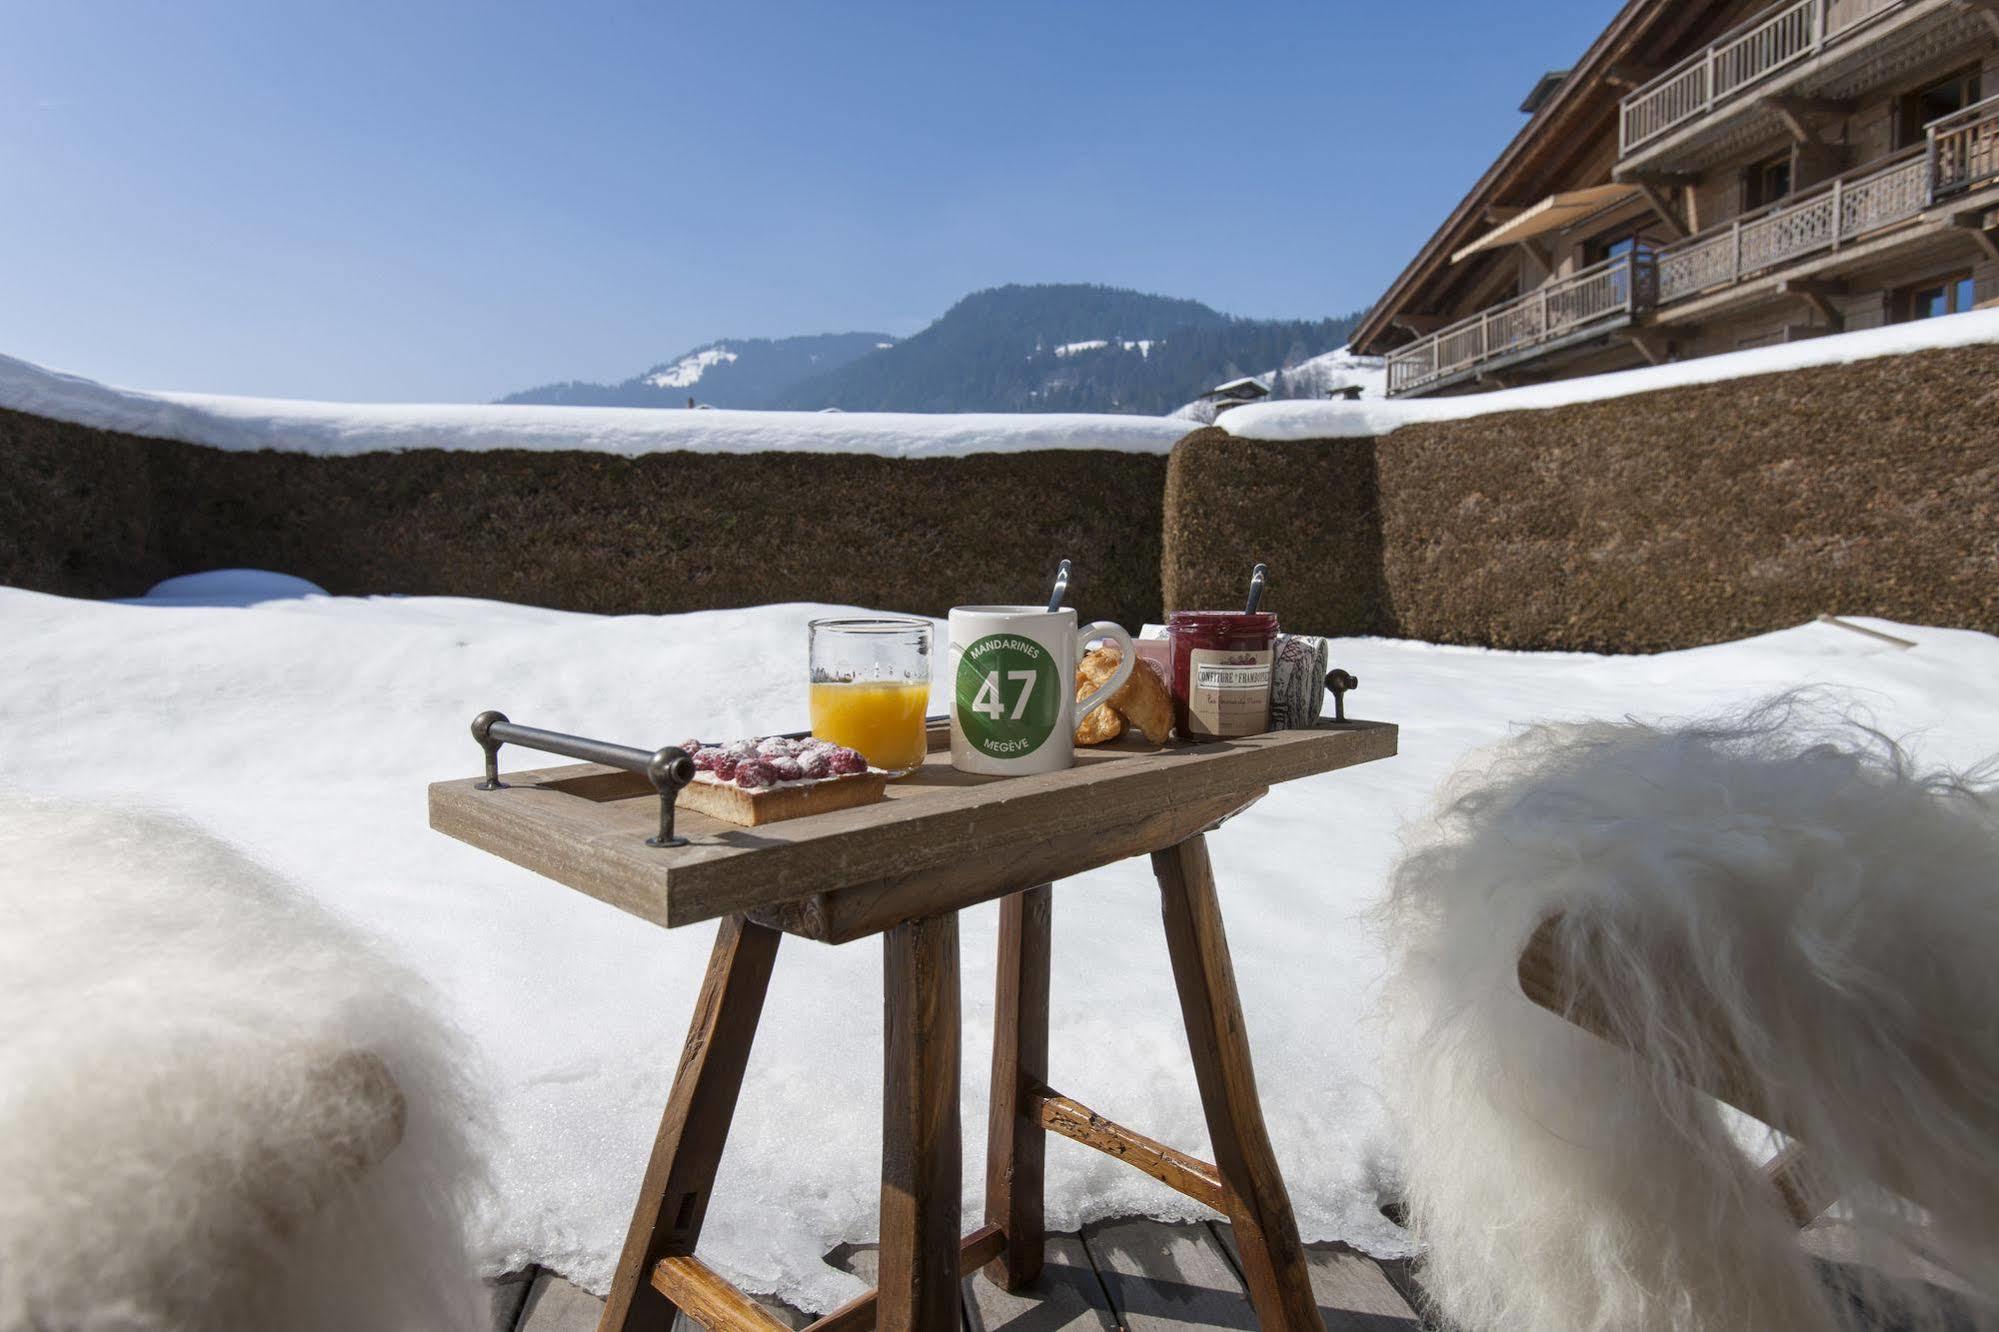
point(109, 514)
point(1312, 512)
point(1667, 520)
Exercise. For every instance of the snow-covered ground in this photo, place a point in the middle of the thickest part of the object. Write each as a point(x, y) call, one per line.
point(1374, 415)
point(1307, 380)
point(337, 428)
point(304, 729)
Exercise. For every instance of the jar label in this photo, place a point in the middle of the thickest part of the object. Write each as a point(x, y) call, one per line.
point(1229, 692)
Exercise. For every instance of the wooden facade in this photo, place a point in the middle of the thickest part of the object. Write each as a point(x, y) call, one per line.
point(1790, 170)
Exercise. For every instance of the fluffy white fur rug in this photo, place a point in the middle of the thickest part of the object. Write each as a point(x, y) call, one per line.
point(1839, 909)
point(199, 1075)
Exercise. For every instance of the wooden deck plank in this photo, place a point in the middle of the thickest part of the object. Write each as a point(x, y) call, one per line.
point(1165, 1278)
point(1066, 1296)
point(1353, 1293)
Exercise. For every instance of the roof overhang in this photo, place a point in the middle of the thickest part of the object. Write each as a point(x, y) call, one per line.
point(1551, 214)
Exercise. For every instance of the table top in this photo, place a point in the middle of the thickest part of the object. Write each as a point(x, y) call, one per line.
point(942, 839)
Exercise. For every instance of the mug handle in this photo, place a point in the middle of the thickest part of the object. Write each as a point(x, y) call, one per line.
point(1127, 663)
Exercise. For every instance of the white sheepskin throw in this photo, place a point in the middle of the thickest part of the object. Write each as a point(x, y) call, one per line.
point(218, 1109)
point(1840, 912)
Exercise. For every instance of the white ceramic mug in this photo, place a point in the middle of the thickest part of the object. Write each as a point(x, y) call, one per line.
point(1013, 702)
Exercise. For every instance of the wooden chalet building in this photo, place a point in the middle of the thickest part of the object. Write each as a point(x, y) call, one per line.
point(1713, 176)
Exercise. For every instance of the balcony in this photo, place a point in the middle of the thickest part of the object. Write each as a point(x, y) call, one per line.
point(1822, 219)
point(1594, 301)
point(1748, 85)
point(1960, 158)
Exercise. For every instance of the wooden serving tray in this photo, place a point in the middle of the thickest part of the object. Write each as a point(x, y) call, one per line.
point(942, 839)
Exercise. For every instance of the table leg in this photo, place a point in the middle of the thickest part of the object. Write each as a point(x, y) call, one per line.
point(1016, 1144)
point(1266, 1233)
point(921, 1152)
point(674, 1197)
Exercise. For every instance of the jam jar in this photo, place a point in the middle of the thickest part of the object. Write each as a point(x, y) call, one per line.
point(1221, 672)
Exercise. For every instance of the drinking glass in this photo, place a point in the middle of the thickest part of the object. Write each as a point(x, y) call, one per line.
point(871, 688)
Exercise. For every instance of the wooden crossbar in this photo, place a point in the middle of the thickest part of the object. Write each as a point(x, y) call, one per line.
point(858, 1314)
point(704, 1295)
point(1171, 1167)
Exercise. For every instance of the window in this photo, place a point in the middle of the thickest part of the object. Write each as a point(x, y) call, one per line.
point(1766, 182)
point(1945, 296)
point(1617, 244)
point(1941, 99)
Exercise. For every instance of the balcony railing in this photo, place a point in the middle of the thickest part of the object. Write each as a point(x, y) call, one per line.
point(1824, 218)
point(1961, 155)
point(1616, 287)
point(1964, 149)
point(1773, 40)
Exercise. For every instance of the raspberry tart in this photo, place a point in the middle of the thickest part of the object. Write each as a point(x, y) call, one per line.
point(751, 782)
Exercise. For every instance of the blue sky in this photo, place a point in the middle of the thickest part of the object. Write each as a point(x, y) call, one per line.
point(448, 202)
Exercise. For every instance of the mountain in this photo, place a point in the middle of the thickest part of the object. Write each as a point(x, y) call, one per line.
point(1065, 348)
point(735, 372)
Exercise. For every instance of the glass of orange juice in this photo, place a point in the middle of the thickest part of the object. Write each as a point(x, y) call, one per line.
point(871, 688)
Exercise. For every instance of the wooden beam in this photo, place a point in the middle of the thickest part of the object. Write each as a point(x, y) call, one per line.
point(1499, 213)
point(1422, 325)
point(1266, 1231)
point(921, 1151)
point(1651, 343)
point(1631, 76)
point(673, 1199)
point(1972, 225)
point(1656, 196)
point(1986, 10)
point(705, 1296)
point(1797, 113)
point(1171, 1167)
point(1016, 1144)
point(1817, 296)
point(858, 1314)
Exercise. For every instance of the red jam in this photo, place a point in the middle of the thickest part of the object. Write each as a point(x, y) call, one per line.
point(1221, 672)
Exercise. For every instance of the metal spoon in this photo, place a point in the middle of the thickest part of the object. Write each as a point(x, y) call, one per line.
point(1255, 590)
point(1061, 587)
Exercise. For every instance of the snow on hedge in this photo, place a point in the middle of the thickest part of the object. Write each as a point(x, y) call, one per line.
point(304, 730)
point(1368, 417)
point(340, 428)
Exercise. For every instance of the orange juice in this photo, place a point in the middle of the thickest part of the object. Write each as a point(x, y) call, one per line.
point(883, 719)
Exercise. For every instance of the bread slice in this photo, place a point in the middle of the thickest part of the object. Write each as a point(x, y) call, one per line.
point(751, 807)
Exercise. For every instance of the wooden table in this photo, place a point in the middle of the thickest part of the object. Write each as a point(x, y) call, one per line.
point(943, 840)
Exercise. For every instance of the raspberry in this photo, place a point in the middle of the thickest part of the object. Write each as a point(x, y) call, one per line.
point(845, 761)
point(754, 773)
point(705, 760)
point(742, 749)
point(774, 746)
point(816, 763)
point(691, 746)
point(786, 767)
point(725, 766)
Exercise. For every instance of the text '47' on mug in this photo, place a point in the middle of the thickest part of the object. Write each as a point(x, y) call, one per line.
point(1013, 698)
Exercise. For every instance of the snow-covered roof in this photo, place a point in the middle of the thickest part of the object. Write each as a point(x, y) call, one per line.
point(340, 428)
point(1379, 416)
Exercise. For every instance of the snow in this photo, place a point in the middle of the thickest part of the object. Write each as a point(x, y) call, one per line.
point(1339, 369)
point(227, 587)
point(687, 371)
point(338, 429)
point(304, 730)
point(1143, 346)
point(1355, 420)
